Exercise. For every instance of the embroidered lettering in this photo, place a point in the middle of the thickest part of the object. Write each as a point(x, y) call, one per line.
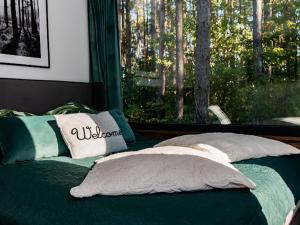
point(88, 134)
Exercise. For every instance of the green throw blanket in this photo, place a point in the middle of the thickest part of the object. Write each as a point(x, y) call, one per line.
point(37, 193)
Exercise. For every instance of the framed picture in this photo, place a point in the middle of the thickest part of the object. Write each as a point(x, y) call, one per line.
point(24, 38)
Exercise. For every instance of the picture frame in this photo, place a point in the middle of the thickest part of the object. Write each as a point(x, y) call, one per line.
point(24, 33)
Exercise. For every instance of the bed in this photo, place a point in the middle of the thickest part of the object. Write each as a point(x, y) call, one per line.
point(37, 192)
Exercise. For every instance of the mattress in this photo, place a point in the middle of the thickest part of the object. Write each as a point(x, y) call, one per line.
point(37, 193)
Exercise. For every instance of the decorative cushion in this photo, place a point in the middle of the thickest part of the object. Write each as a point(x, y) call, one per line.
point(74, 107)
point(71, 107)
point(30, 138)
point(5, 113)
point(127, 132)
point(90, 135)
point(165, 169)
point(232, 147)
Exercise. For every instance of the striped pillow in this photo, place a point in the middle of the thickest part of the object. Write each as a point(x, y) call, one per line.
point(6, 113)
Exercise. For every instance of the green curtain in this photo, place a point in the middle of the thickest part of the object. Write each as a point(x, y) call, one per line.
point(104, 49)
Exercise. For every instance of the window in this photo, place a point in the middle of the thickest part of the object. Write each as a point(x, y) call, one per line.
point(241, 66)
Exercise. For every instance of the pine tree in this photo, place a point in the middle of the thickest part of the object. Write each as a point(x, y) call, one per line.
point(179, 59)
point(202, 61)
point(6, 13)
point(257, 39)
point(162, 48)
point(14, 19)
point(128, 65)
point(33, 20)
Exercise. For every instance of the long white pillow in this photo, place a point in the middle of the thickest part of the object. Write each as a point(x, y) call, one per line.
point(232, 147)
point(165, 169)
point(89, 135)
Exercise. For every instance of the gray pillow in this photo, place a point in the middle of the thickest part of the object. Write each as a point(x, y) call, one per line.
point(166, 169)
point(89, 135)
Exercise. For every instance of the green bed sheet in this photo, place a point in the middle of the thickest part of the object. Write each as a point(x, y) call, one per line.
point(37, 193)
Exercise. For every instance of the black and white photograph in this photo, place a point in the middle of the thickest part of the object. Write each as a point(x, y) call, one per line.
point(24, 33)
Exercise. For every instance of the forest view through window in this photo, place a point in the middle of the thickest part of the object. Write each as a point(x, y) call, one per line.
point(211, 61)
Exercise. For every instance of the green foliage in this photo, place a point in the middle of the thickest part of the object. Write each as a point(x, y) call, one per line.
point(261, 103)
point(243, 101)
point(232, 86)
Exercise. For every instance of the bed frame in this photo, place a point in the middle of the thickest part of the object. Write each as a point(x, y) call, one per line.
point(38, 97)
point(287, 134)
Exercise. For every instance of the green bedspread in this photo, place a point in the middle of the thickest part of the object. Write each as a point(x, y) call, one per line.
point(37, 193)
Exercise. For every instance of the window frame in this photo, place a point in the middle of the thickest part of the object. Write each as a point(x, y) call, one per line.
point(260, 130)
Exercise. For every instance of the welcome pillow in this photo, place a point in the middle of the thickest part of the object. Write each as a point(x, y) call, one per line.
point(119, 117)
point(89, 135)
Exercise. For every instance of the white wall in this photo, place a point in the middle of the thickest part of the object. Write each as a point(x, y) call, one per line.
point(69, 47)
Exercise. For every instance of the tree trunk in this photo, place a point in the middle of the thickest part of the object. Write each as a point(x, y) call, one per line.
point(6, 13)
point(162, 18)
point(119, 6)
point(179, 60)
point(14, 19)
point(148, 50)
point(153, 19)
point(38, 8)
point(20, 18)
point(171, 28)
point(123, 34)
point(257, 39)
point(146, 31)
point(202, 62)
point(27, 20)
point(144, 23)
point(153, 32)
point(139, 37)
point(121, 30)
point(36, 15)
point(268, 13)
point(128, 45)
point(33, 21)
point(298, 64)
point(23, 16)
point(290, 37)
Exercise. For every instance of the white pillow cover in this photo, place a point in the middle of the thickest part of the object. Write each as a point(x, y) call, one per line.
point(165, 169)
point(89, 135)
point(232, 147)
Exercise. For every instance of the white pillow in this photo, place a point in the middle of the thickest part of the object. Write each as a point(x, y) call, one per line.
point(165, 169)
point(232, 147)
point(89, 135)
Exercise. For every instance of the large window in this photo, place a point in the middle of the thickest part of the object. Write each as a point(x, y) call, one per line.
point(211, 62)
